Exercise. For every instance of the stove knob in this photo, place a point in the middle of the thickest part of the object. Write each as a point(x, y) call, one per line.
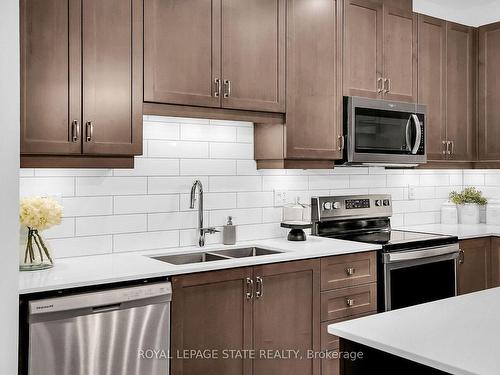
point(378, 203)
point(327, 206)
point(336, 205)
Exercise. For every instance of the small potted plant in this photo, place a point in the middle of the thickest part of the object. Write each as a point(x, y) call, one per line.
point(37, 214)
point(468, 202)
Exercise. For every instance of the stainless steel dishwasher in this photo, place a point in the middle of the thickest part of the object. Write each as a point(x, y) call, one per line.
point(122, 331)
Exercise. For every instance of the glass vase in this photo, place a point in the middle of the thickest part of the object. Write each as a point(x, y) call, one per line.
point(34, 252)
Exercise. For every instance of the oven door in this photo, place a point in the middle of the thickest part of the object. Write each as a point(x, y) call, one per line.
point(419, 276)
point(383, 132)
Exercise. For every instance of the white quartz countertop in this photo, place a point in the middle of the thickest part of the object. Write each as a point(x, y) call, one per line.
point(462, 231)
point(111, 268)
point(459, 335)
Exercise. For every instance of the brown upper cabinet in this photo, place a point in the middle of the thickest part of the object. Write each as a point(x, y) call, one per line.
point(215, 53)
point(81, 74)
point(446, 84)
point(312, 136)
point(380, 50)
point(489, 93)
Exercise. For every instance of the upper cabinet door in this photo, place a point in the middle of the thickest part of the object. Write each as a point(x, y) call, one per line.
point(432, 81)
point(400, 54)
point(50, 77)
point(253, 54)
point(363, 48)
point(182, 52)
point(461, 86)
point(489, 93)
point(314, 76)
point(112, 76)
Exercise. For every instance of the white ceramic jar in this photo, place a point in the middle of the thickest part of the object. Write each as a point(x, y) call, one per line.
point(449, 213)
point(493, 212)
point(468, 213)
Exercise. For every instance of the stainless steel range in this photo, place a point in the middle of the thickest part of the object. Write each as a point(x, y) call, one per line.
point(413, 267)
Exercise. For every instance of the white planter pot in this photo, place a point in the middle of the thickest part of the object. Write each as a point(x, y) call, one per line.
point(468, 213)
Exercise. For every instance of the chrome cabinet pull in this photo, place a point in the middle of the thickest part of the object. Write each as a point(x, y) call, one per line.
point(260, 287)
point(349, 302)
point(444, 147)
point(448, 151)
point(227, 88)
point(461, 256)
point(350, 271)
point(249, 291)
point(452, 147)
point(341, 143)
point(89, 130)
point(218, 87)
point(75, 131)
point(386, 85)
point(380, 85)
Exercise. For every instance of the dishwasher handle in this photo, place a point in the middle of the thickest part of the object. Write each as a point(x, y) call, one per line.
point(106, 300)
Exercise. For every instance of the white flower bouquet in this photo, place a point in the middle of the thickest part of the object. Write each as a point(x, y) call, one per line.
point(38, 214)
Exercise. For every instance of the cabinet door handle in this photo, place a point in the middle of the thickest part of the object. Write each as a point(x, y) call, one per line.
point(341, 143)
point(461, 257)
point(380, 85)
point(349, 302)
point(218, 87)
point(448, 144)
point(75, 131)
point(350, 271)
point(260, 287)
point(452, 147)
point(227, 88)
point(249, 289)
point(89, 131)
point(445, 147)
point(386, 85)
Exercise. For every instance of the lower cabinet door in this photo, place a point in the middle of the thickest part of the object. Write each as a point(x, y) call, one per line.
point(474, 265)
point(211, 315)
point(287, 318)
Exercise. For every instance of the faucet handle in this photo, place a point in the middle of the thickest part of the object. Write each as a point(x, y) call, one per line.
point(211, 230)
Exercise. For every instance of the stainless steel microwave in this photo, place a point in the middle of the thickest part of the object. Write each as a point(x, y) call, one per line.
point(385, 133)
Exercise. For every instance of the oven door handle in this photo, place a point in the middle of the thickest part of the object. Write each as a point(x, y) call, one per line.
point(421, 254)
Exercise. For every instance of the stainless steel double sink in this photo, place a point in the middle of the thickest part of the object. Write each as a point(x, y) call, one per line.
point(209, 256)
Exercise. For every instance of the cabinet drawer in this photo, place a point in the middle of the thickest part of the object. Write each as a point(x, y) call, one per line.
point(347, 302)
point(331, 342)
point(348, 270)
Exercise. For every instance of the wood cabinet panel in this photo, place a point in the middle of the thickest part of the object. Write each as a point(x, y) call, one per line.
point(112, 84)
point(253, 54)
point(348, 270)
point(314, 76)
point(495, 263)
point(460, 92)
point(286, 316)
point(182, 52)
point(400, 54)
point(474, 265)
point(489, 93)
point(363, 43)
point(432, 81)
point(210, 311)
point(347, 302)
point(50, 76)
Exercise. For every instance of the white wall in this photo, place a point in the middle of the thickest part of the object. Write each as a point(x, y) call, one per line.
point(148, 208)
point(468, 12)
point(9, 190)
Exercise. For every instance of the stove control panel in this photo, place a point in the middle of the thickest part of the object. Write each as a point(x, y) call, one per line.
point(350, 207)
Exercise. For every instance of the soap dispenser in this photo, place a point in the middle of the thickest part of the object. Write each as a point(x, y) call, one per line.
point(229, 232)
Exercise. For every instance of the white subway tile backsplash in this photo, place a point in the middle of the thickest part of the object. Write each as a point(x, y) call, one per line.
point(137, 204)
point(97, 225)
point(208, 167)
point(92, 186)
point(147, 207)
point(177, 149)
point(145, 241)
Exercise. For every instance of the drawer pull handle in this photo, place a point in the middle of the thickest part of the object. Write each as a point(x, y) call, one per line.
point(350, 271)
point(349, 302)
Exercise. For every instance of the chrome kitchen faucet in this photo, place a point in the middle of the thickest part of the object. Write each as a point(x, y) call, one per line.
point(202, 231)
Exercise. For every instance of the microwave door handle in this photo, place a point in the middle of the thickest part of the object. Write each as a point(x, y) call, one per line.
point(418, 131)
point(408, 135)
